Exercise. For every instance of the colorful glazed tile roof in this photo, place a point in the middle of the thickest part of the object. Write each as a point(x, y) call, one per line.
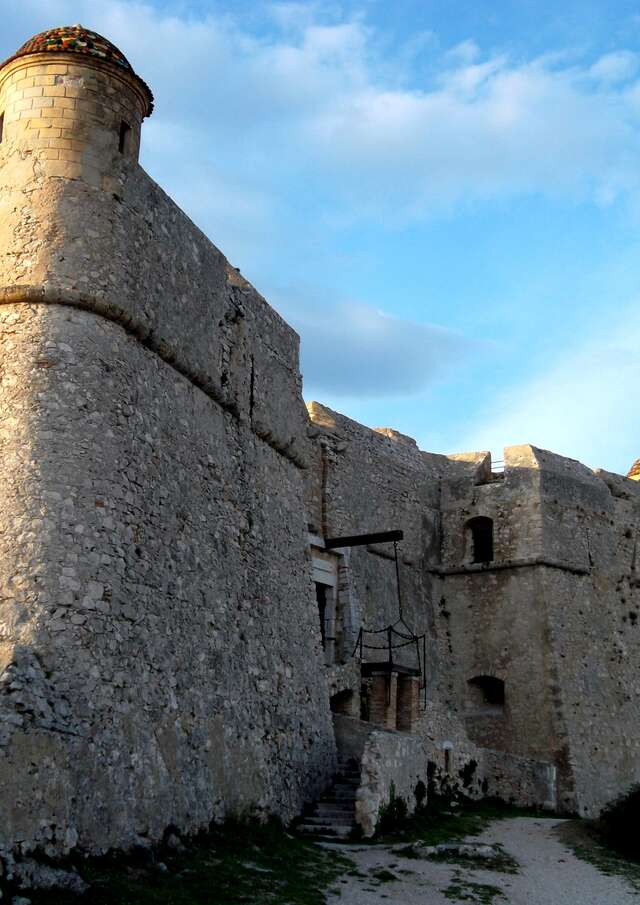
point(634, 471)
point(74, 39)
point(77, 39)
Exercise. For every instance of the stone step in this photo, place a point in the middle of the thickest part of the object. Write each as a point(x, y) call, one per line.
point(326, 831)
point(343, 796)
point(324, 820)
point(334, 809)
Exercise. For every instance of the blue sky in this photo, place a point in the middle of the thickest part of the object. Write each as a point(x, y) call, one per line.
point(442, 197)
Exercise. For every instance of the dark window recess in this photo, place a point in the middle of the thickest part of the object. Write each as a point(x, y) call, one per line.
point(124, 142)
point(1, 126)
point(481, 529)
point(486, 693)
point(321, 599)
point(342, 702)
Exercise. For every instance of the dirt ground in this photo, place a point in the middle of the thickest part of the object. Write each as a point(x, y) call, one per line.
point(535, 865)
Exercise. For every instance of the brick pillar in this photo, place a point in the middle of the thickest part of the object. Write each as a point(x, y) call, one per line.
point(383, 700)
point(408, 702)
point(392, 709)
point(378, 700)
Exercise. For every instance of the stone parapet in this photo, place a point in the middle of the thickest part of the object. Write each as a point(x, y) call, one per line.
point(125, 251)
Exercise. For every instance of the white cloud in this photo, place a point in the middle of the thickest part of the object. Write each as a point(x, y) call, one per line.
point(615, 67)
point(584, 406)
point(465, 53)
point(352, 349)
point(309, 108)
point(314, 100)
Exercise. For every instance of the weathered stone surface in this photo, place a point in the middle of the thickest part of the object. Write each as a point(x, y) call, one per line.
point(160, 658)
point(393, 764)
point(33, 875)
point(99, 234)
point(552, 616)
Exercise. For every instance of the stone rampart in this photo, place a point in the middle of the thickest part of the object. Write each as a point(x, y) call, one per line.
point(594, 621)
point(161, 654)
point(96, 232)
point(159, 646)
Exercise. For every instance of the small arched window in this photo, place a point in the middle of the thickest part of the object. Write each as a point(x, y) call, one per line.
point(481, 529)
point(486, 694)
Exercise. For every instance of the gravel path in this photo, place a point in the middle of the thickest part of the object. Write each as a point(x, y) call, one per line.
point(550, 874)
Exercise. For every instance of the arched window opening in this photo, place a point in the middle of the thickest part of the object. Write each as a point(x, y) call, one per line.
point(1, 126)
point(481, 529)
point(486, 694)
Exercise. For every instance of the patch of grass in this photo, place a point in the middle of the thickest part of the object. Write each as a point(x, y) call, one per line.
point(460, 890)
point(586, 843)
point(356, 873)
point(393, 814)
point(383, 876)
point(440, 822)
point(500, 863)
point(240, 862)
point(409, 851)
point(618, 824)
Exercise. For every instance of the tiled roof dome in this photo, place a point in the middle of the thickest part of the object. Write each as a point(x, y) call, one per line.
point(634, 471)
point(74, 39)
point(77, 39)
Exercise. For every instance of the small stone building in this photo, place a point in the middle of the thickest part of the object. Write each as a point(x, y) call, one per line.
point(179, 622)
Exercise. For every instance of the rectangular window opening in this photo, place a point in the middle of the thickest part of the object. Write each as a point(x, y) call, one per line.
point(321, 600)
point(124, 143)
point(1, 126)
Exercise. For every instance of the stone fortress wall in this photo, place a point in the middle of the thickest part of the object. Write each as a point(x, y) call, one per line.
point(479, 620)
point(593, 624)
point(552, 616)
point(160, 651)
point(165, 503)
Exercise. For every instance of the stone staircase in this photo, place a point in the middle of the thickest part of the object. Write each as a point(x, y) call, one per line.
point(333, 816)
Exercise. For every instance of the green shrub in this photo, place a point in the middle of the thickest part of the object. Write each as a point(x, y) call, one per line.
point(393, 814)
point(420, 793)
point(618, 823)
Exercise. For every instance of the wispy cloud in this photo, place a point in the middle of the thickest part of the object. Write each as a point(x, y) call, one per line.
point(352, 349)
point(584, 405)
point(312, 98)
point(273, 133)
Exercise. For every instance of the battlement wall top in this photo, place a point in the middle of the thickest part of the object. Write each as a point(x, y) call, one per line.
point(386, 441)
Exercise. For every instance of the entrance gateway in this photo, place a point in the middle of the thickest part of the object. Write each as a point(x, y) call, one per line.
point(392, 658)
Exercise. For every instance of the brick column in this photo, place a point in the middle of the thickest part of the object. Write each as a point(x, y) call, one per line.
point(383, 700)
point(408, 702)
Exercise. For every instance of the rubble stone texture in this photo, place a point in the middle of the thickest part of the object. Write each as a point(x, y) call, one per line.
point(160, 650)
point(553, 615)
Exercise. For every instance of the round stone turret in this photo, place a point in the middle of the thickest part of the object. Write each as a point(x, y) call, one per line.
point(70, 100)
